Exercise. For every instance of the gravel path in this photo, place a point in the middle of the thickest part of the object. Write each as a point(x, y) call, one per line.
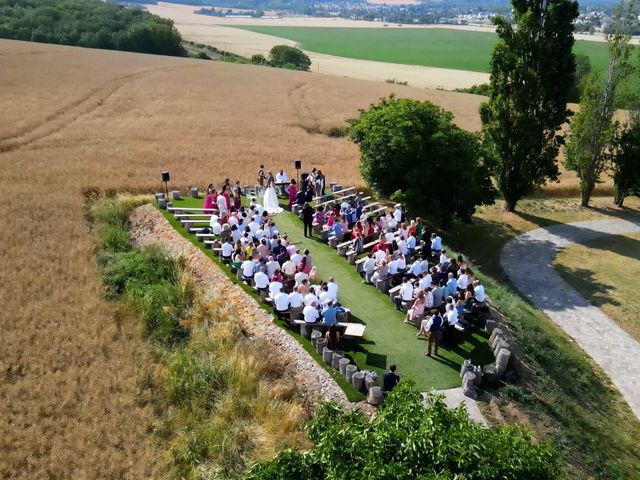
point(528, 260)
point(149, 226)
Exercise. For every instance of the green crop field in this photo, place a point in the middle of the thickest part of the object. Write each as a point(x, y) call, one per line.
point(461, 50)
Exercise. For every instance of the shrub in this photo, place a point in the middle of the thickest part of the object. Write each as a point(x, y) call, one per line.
point(258, 59)
point(289, 57)
point(113, 239)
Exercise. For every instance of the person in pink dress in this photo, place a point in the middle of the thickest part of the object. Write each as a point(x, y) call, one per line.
point(306, 264)
point(293, 193)
point(209, 200)
point(417, 310)
point(227, 196)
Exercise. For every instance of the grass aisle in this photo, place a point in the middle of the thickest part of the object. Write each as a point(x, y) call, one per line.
point(387, 339)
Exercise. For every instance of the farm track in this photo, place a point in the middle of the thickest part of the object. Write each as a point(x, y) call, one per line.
point(65, 116)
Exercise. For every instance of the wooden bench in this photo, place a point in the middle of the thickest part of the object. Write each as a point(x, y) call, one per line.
point(187, 216)
point(351, 329)
point(342, 247)
point(375, 212)
point(190, 209)
point(204, 236)
point(394, 291)
point(344, 191)
point(370, 206)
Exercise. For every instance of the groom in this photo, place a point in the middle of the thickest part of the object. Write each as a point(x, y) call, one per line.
point(307, 219)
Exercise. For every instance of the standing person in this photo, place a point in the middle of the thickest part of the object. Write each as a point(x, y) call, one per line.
point(222, 207)
point(260, 179)
point(208, 201)
point(237, 196)
point(390, 379)
point(293, 193)
point(307, 219)
point(434, 332)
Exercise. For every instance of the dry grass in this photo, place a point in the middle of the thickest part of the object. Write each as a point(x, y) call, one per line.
point(605, 271)
point(76, 119)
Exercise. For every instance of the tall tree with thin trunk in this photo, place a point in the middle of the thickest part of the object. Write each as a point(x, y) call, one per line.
point(531, 66)
point(593, 129)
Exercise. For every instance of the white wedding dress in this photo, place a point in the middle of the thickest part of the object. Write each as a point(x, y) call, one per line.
point(270, 201)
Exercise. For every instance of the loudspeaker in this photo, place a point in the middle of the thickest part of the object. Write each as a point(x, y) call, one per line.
point(298, 164)
point(165, 176)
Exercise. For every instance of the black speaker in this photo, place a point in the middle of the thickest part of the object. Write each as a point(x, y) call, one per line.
point(165, 176)
point(298, 164)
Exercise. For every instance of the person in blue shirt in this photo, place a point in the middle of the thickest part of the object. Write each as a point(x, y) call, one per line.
point(411, 243)
point(359, 209)
point(452, 285)
point(336, 230)
point(330, 315)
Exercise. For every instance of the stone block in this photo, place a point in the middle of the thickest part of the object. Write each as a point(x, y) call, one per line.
point(320, 344)
point(327, 355)
point(496, 332)
point(490, 374)
point(315, 335)
point(502, 344)
point(502, 361)
point(335, 359)
point(162, 203)
point(357, 380)
point(466, 366)
point(375, 396)
point(194, 192)
point(175, 195)
point(349, 371)
point(370, 380)
point(352, 256)
point(490, 325)
point(343, 363)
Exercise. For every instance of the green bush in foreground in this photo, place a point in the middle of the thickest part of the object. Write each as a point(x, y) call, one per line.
point(409, 441)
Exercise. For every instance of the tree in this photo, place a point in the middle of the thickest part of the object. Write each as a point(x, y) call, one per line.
point(412, 152)
point(531, 66)
point(626, 162)
point(408, 440)
point(282, 55)
point(583, 70)
point(593, 128)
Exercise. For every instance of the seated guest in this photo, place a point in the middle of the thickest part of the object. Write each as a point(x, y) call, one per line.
point(393, 266)
point(299, 277)
point(332, 287)
point(436, 244)
point(463, 280)
point(402, 246)
point(382, 273)
point(330, 315)
point(310, 298)
point(216, 228)
point(324, 295)
point(380, 255)
point(319, 216)
point(281, 303)
point(260, 280)
point(303, 288)
point(415, 270)
point(336, 231)
point(478, 290)
point(272, 266)
point(248, 270)
point(296, 258)
point(368, 268)
point(306, 264)
point(406, 294)
point(417, 310)
point(296, 301)
point(289, 268)
point(452, 285)
point(277, 276)
point(444, 259)
point(311, 313)
point(275, 287)
point(390, 379)
point(333, 337)
point(401, 262)
point(227, 250)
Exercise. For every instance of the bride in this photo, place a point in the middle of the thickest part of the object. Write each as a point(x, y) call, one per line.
point(270, 199)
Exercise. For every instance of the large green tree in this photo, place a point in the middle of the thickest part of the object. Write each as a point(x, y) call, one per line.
point(531, 68)
point(593, 128)
point(287, 56)
point(408, 440)
point(626, 162)
point(412, 151)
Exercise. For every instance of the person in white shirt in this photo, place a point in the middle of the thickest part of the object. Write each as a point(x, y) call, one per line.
point(380, 255)
point(401, 262)
point(236, 233)
point(296, 300)
point(281, 302)
point(452, 315)
point(406, 294)
point(424, 266)
point(300, 277)
point(444, 259)
point(311, 313)
point(463, 280)
point(260, 280)
point(248, 269)
point(411, 243)
point(397, 213)
point(213, 219)
point(436, 244)
point(289, 268)
point(296, 258)
point(216, 228)
point(310, 299)
point(393, 266)
point(428, 298)
point(325, 296)
point(369, 267)
point(253, 226)
point(426, 281)
point(332, 286)
point(402, 246)
point(274, 288)
point(233, 220)
point(389, 236)
point(222, 206)
point(416, 269)
point(391, 222)
point(272, 265)
point(227, 250)
point(478, 290)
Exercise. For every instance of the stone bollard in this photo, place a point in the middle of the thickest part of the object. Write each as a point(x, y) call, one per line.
point(502, 343)
point(478, 373)
point(187, 225)
point(335, 359)
point(495, 340)
point(466, 366)
point(175, 195)
point(352, 257)
point(315, 335)
point(320, 344)
point(158, 196)
point(194, 192)
point(295, 208)
point(305, 331)
point(170, 205)
point(343, 363)
point(370, 380)
point(502, 361)
point(468, 385)
point(333, 242)
point(336, 187)
point(490, 374)
point(349, 371)
point(495, 333)
point(375, 397)
point(357, 380)
point(317, 228)
point(327, 355)
point(489, 325)
point(162, 203)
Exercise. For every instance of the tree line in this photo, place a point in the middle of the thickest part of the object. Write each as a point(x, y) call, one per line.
point(89, 23)
point(412, 152)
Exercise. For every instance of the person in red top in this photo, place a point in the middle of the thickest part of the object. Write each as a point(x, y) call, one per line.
point(381, 245)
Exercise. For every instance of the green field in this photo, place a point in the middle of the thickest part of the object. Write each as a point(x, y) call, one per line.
point(442, 48)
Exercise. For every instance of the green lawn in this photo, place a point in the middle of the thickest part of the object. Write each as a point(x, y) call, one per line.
point(442, 48)
point(387, 339)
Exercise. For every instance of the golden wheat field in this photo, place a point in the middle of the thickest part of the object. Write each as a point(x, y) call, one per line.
point(74, 120)
point(77, 119)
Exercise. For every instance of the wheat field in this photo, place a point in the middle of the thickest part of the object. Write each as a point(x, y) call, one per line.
point(75, 120)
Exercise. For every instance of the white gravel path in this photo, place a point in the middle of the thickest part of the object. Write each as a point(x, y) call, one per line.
point(528, 261)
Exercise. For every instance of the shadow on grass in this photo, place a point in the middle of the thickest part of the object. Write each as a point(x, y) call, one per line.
point(585, 283)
